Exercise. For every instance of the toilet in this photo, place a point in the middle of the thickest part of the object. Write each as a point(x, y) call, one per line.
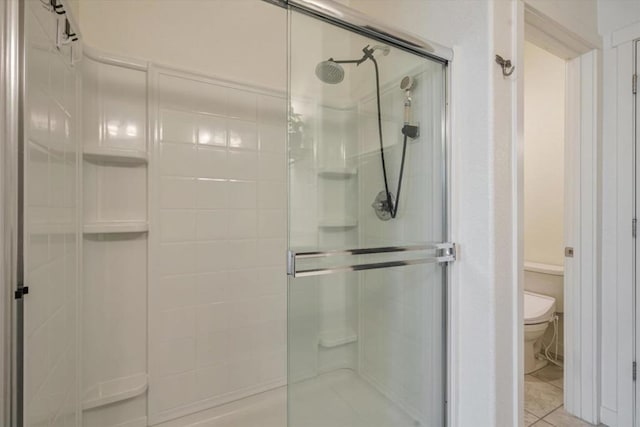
point(539, 311)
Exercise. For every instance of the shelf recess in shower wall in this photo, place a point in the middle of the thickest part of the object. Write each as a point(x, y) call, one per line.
point(117, 390)
point(338, 223)
point(332, 339)
point(337, 173)
point(107, 227)
point(114, 155)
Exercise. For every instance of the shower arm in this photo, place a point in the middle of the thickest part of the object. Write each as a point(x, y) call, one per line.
point(349, 61)
point(368, 54)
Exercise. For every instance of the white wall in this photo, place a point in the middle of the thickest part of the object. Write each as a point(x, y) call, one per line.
point(543, 156)
point(578, 16)
point(243, 40)
point(616, 14)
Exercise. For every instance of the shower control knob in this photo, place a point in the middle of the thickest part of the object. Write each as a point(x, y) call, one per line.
point(381, 206)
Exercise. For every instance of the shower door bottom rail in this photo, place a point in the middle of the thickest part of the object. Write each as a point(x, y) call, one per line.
point(446, 253)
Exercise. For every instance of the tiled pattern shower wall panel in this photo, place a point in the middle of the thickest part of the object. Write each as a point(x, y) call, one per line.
point(218, 244)
point(402, 308)
point(50, 226)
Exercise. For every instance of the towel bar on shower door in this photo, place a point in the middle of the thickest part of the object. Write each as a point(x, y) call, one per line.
point(446, 254)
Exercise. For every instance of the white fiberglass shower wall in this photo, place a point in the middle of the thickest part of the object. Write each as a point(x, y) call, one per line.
point(182, 297)
point(218, 305)
point(50, 220)
point(191, 230)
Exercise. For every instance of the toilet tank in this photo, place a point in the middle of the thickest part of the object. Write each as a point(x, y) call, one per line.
point(545, 279)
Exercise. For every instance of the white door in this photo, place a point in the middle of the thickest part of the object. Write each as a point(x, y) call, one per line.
point(581, 257)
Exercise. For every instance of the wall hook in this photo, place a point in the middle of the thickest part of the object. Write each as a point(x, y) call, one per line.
point(505, 64)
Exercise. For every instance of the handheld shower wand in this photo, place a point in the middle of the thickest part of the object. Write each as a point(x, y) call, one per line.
point(407, 84)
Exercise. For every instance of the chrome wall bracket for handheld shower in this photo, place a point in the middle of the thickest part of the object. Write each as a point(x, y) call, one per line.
point(381, 205)
point(411, 131)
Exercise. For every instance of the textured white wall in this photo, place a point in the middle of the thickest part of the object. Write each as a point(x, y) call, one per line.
point(615, 14)
point(543, 156)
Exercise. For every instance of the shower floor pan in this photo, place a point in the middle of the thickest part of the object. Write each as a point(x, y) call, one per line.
point(336, 399)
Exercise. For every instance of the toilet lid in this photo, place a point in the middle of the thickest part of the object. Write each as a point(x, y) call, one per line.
point(538, 308)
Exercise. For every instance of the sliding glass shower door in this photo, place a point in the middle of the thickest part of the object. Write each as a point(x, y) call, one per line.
point(367, 222)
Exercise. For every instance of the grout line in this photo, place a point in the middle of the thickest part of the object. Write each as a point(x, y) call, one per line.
point(534, 415)
point(551, 412)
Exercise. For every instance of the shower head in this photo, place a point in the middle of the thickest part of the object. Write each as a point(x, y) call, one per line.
point(330, 72)
point(407, 83)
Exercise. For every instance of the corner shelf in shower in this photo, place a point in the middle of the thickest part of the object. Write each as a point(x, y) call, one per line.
point(110, 227)
point(337, 173)
point(338, 223)
point(117, 390)
point(337, 338)
point(115, 155)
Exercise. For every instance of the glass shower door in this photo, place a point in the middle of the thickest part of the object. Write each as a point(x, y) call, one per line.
point(367, 222)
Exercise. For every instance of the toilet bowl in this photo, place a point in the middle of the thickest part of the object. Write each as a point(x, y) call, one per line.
point(539, 311)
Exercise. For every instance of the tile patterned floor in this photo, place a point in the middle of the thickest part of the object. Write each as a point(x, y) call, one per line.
point(543, 400)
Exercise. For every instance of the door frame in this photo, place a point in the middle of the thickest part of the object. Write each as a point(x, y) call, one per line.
point(620, 406)
point(582, 127)
point(10, 64)
point(636, 301)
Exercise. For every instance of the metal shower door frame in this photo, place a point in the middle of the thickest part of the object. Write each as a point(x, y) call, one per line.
point(636, 187)
point(11, 60)
point(341, 16)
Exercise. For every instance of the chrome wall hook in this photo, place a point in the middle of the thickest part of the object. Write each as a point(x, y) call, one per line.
point(505, 64)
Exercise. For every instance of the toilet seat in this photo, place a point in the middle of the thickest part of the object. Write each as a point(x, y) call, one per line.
point(538, 308)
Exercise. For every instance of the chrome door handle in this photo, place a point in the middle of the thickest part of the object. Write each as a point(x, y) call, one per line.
point(446, 252)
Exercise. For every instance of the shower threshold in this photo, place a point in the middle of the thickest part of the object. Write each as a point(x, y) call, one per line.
point(337, 399)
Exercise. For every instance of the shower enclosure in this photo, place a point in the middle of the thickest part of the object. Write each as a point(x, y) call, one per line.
point(246, 230)
point(367, 219)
